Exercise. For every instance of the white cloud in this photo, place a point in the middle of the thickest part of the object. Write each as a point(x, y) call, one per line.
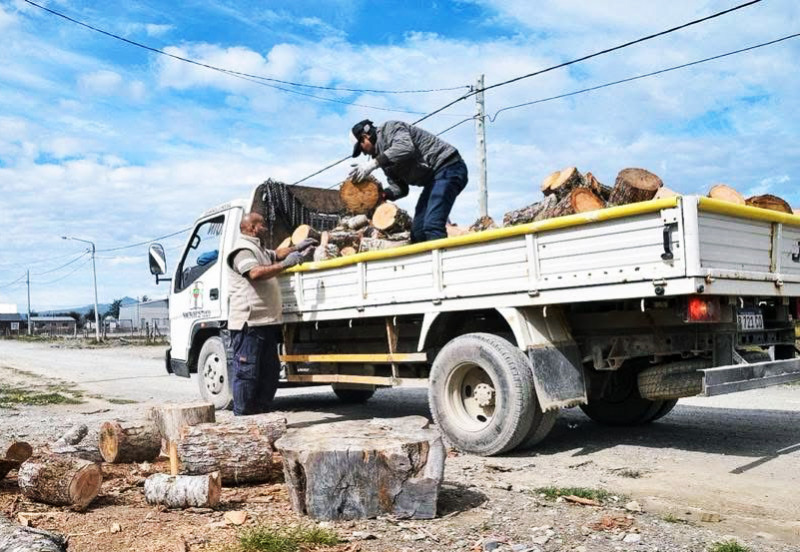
point(7, 19)
point(157, 30)
point(100, 82)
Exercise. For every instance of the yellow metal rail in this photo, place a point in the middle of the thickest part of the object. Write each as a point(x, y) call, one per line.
point(366, 358)
point(745, 211)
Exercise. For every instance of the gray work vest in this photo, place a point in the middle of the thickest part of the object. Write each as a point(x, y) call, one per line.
point(255, 302)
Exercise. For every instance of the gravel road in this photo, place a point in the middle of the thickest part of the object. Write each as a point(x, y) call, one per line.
point(734, 456)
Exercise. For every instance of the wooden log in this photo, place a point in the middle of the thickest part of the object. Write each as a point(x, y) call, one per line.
point(390, 218)
point(285, 243)
point(483, 223)
point(796, 211)
point(354, 223)
point(60, 480)
point(723, 192)
point(183, 491)
point(567, 180)
point(771, 202)
point(73, 435)
point(361, 469)
point(344, 238)
point(530, 213)
point(325, 251)
point(583, 200)
point(664, 192)
point(348, 251)
point(549, 179)
point(378, 244)
point(372, 232)
point(79, 442)
point(18, 450)
point(601, 190)
point(124, 441)
point(454, 230)
point(240, 449)
point(15, 538)
point(634, 185)
point(7, 466)
point(302, 232)
point(171, 418)
point(361, 198)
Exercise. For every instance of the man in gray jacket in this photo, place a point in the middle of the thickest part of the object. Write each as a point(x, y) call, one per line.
point(411, 156)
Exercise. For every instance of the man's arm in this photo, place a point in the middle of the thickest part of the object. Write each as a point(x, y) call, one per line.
point(282, 252)
point(395, 189)
point(246, 264)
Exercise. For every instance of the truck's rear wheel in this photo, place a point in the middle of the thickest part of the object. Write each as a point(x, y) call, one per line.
point(481, 394)
point(665, 409)
point(351, 395)
point(621, 404)
point(213, 377)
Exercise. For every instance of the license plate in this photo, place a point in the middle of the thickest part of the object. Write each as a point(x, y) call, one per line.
point(751, 322)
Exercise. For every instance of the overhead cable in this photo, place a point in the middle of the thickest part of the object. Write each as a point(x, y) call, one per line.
point(14, 282)
point(76, 259)
point(70, 273)
point(138, 244)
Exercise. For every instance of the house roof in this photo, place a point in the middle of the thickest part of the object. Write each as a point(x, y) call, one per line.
point(15, 317)
point(52, 319)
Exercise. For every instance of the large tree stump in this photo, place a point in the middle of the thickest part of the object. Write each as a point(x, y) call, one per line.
point(124, 441)
point(170, 418)
point(771, 202)
point(360, 469)
point(15, 538)
point(60, 480)
point(723, 192)
point(390, 218)
point(361, 198)
point(377, 244)
point(634, 185)
point(183, 491)
point(304, 231)
point(240, 450)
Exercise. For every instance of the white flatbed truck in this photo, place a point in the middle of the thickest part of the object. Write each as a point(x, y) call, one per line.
point(620, 311)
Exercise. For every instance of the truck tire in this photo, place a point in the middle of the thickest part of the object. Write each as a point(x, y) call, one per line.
point(349, 395)
point(665, 409)
point(755, 356)
point(541, 427)
point(672, 380)
point(481, 394)
point(213, 376)
point(622, 405)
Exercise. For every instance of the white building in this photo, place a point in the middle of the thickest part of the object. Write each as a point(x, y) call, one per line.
point(140, 316)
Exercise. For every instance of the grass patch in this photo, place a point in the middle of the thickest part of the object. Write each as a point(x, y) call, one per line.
point(11, 396)
point(669, 518)
point(592, 494)
point(728, 546)
point(121, 401)
point(267, 539)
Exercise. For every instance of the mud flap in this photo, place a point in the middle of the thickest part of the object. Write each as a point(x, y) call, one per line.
point(558, 376)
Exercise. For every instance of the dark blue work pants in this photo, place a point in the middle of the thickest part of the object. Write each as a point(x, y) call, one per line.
point(436, 201)
point(256, 368)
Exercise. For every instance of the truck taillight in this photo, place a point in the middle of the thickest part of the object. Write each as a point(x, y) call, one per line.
point(703, 309)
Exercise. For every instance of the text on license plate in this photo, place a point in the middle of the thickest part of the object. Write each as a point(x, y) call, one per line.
point(751, 321)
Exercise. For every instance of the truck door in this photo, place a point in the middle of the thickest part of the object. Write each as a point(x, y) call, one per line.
point(197, 293)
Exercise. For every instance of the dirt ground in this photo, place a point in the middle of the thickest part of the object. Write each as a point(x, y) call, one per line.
point(731, 461)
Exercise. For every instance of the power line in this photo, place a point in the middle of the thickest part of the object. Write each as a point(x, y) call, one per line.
point(240, 73)
point(14, 282)
point(76, 259)
point(637, 77)
point(70, 273)
point(129, 246)
point(589, 56)
point(37, 261)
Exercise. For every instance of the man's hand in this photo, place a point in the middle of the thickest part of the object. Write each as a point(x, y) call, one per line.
point(362, 171)
point(305, 244)
point(292, 259)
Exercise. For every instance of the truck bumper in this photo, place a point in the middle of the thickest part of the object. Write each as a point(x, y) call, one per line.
point(741, 377)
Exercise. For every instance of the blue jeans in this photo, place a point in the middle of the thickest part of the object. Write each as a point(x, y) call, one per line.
point(436, 201)
point(256, 368)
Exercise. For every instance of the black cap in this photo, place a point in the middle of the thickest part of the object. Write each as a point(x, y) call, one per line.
point(363, 127)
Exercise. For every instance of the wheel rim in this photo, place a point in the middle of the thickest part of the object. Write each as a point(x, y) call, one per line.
point(470, 400)
point(214, 374)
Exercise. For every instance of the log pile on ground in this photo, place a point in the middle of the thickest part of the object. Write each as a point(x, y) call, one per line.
point(183, 491)
point(79, 442)
point(60, 480)
point(364, 469)
point(124, 441)
point(172, 418)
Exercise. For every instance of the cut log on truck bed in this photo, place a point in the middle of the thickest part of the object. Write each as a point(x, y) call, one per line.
point(15, 538)
point(601, 190)
point(529, 213)
point(124, 441)
point(578, 200)
point(723, 192)
point(390, 218)
point(60, 480)
point(483, 223)
point(771, 202)
point(566, 181)
point(183, 491)
point(634, 185)
point(361, 198)
point(377, 244)
point(304, 231)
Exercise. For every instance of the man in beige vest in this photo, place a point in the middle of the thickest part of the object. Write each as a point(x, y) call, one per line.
point(255, 314)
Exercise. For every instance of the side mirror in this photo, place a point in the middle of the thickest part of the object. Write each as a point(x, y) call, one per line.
point(158, 262)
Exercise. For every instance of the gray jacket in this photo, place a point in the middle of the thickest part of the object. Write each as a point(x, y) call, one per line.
point(409, 155)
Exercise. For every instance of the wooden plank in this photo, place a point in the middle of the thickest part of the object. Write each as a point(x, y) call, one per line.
point(363, 380)
point(367, 358)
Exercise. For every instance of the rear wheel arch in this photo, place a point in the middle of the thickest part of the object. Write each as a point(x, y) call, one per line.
point(439, 328)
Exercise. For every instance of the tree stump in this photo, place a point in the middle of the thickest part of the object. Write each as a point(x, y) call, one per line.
point(15, 538)
point(378, 244)
point(60, 480)
point(723, 192)
point(240, 450)
point(170, 418)
point(583, 200)
point(390, 218)
point(183, 491)
point(361, 198)
point(129, 441)
point(363, 469)
point(634, 185)
point(771, 202)
point(302, 232)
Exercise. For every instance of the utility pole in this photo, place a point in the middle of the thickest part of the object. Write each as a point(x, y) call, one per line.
point(480, 132)
point(94, 277)
point(28, 281)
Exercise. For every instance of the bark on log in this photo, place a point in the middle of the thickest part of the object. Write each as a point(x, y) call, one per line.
point(60, 480)
point(529, 213)
point(359, 469)
point(240, 450)
point(73, 436)
point(343, 239)
point(19, 451)
point(723, 192)
point(302, 232)
point(771, 202)
point(183, 491)
point(483, 223)
point(348, 251)
point(79, 442)
point(601, 190)
point(361, 198)
point(354, 223)
point(634, 185)
point(549, 179)
point(171, 418)
point(377, 244)
point(124, 441)
point(372, 232)
point(390, 218)
point(15, 538)
point(567, 180)
point(7, 465)
point(325, 251)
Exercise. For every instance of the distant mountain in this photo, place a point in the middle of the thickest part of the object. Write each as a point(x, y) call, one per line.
point(101, 308)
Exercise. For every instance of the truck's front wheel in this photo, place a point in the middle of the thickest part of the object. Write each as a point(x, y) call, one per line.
point(212, 374)
point(481, 394)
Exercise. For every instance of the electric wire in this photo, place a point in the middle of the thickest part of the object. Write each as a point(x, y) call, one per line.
point(240, 73)
point(138, 244)
point(70, 273)
point(14, 282)
point(76, 259)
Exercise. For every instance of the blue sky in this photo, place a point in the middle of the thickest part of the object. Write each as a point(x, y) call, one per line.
point(108, 142)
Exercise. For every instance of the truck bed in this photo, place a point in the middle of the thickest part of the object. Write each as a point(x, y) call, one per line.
point(667, 247)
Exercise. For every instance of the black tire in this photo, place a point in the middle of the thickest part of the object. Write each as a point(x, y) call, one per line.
point(213, 374)
point(672, 380)
point(353, 396)
point(541, 427)
point(665, 409)
point(755, 356)
point(497, 416)
point(622, 405)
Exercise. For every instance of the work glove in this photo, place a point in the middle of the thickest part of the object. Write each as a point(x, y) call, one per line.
point(292, 259)
point(305, 244)
point(362, 171)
